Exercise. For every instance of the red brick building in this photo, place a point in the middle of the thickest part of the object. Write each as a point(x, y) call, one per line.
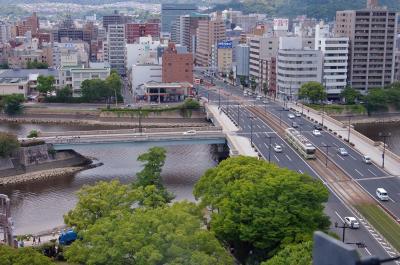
point(136, 30)
point(176, 67)
point(29, 24)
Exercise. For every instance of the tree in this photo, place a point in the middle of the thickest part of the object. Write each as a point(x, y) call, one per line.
point(232, 77)
point(11, 104)
point(350, 95)
point(33, 134)
point(22, 256)
point(242, 80)
point(114, 83)
point(154, 160)
point(163, 235)
point(259, 208)
point(95, 90)
point(64, 94)
point(393, 94)
point(45, 84)
point(36, 65)
point(253, 83)
point(299, 254)
point(376, 100)
point(265, 88)
point(312, 91)
point(8, 144)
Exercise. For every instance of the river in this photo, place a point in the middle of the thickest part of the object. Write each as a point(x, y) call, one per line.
point(372, 131)
point(40, 206)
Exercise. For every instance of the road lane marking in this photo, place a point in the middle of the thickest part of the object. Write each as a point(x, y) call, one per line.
point(276, 158)
point(341, 219)
point(301, 172)
point(335, 144)
point(340, 157)
point(361, 174)
point(387, 177)
point(391, 199)
point(353, 157)
point(372, 172)
point(266, 145)
point(366, 250)
point(288, 157)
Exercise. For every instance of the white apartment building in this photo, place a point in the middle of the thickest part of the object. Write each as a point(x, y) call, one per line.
point(295, 66)
point(335, 59)
point(116, 44)
point(143, 52)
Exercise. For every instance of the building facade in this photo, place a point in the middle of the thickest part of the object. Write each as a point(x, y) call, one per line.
point(242, 60)
point(136, 30)
point(116, 47)
point(295, 66)
point(170, 13)
point(176, 67)
point(372, 34)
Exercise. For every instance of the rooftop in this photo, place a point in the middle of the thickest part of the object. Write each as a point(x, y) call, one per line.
point(10, 80)
point(24, 73)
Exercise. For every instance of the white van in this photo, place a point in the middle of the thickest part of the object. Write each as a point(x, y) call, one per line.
point(382, 194)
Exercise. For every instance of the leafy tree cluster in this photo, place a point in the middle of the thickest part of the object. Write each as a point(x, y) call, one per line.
point(45, 84)
point(258, 208)
point(36, 65)
point(379, 99)
point(99, 90)
point(12, 104)
point(22, 256)
point(299, 254)
point(8, 144)
point(312, 91)
point(4, 66)
point(350, 95)
point(136, 224)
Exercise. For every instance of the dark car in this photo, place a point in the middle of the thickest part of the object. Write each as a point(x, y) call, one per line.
point(318, 127)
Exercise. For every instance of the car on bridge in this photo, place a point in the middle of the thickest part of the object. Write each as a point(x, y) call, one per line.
point(342, 151)
point(190, 132)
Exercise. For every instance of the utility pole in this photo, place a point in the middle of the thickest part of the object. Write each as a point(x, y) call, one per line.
point(219, 97)
point(344, 227)
point(280, 116)
point(251, 128)
point(140, 120)
point(323, 114)
point(269, 146)
point(348, 133)
point(385, 136)
point(238, 114)
point(326, 153)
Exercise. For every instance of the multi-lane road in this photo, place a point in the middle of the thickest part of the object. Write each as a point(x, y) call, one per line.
point(369, 176)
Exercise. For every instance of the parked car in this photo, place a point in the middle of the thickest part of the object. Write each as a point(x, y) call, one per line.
point(298, 114)
point(382, 194)
point(316, 133)
point(277, 148)
point(190, 132)
point(291, 116)
point(342, 151)
point(295, 125)
point(352, 222)
point(367, 159)
point(317, 127)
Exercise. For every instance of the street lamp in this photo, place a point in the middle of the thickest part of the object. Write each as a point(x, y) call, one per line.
point(269, 146)
point(219, 97)
point(344, 227)
point(238, 114)
point(280, 116)
point(384, 135)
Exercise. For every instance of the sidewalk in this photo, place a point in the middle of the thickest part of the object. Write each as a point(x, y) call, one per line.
point(239, 145)
point(361, 143)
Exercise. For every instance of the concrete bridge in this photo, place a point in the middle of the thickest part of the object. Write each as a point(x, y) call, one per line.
point(117, 136)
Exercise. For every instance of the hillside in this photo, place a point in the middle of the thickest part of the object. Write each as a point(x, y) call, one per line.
point(325, 9)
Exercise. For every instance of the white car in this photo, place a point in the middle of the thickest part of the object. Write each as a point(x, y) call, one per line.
point(191, 132)
point(265, 101)
point(352, 222)
point(291, 116)
point(342, 151)
point(367, 160)
point(278, 148)
point(259, 98)
point(316, 133)
point(298, 114)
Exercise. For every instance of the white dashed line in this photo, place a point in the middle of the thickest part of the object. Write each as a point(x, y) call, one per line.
point(276, 158)
point(288, 158)
point(340, 157)
point(339, 216)
point(361, 174)
point(372, 172)
point(266, 145)
point(353, 157)
point(366, 250)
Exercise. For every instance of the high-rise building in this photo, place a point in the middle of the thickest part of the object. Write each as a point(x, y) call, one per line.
point(115, 19)
point(335, 59)
point(209, 33)
point(242, 60)
point(176, 67)
point(170, 13)
point(295, 66)
point(29, 24)
point(116, 47)
point(372, 34)
point(136, 30)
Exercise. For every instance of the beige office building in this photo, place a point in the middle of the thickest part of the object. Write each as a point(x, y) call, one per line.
point(372, 34)
point(209, 33)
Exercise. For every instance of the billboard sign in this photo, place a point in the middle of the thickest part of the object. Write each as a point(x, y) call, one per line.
point(227, 44)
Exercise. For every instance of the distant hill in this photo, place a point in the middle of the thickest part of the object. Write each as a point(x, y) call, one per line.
point(325, 9)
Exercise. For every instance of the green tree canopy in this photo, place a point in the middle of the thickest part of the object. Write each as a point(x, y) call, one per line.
point(45, 84)
point(8, 144)
point(376, 100)
point(299, 254)
point(22, 256)
point(164, 235)
point(253, 83)
point(260, 207)
point(64, 93)
point(153, 161)
point(12, 104)
point(393, 94)
point(350, 95)
point(114, 83)
point(312, 91)
point(36, 65)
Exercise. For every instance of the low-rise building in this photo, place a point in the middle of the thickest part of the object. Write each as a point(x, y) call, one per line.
point(167, 92)
point(144, 73)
